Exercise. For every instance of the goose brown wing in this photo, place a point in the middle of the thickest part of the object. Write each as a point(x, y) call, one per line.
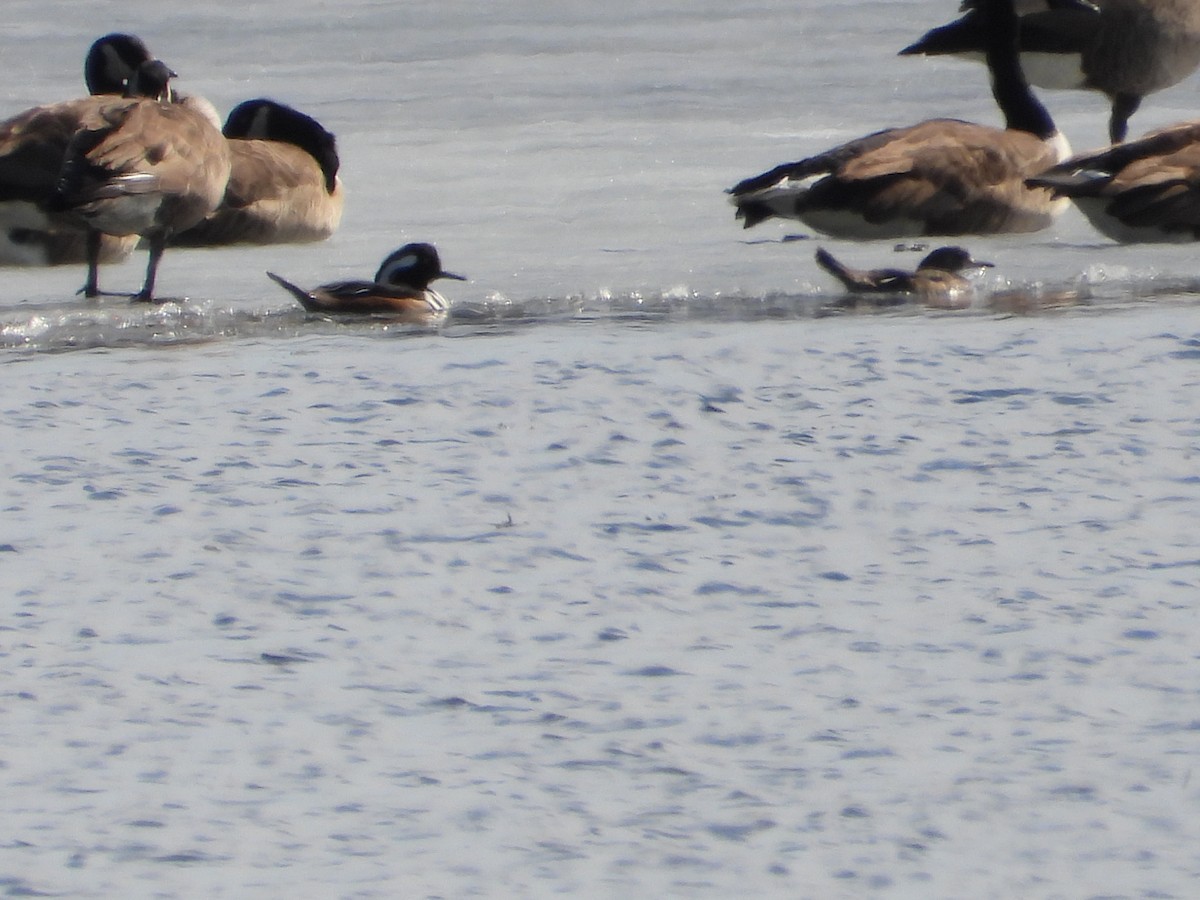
point(956, 176)
point(276, 194)
point(267, 170)
point(947, 153)
point(33, 145)
point(166, 141)
point(830, 161)
point(1161, 143)
point(1160, 192)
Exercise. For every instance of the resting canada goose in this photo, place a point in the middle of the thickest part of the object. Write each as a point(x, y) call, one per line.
point(142, 166)
point(937, 281)
point(32, 147)
point(1146, 190)
point(401, 288)
point(283, 185)
point(942, 176)
point(1125, 49)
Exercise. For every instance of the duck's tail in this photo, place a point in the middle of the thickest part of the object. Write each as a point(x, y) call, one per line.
point(307, 300)
point(827, 262)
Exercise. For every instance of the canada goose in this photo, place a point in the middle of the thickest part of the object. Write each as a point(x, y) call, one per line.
point(1126, 49)
point(142, 165)
point(32, 146)
point(401, 288)
point(1142, 191)
point(941, 176)
point(936, 281)
point(283, 185)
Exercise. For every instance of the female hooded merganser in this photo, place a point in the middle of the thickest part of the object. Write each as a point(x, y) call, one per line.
point(1142, 191)
point(32, 147)
point(936, 283)
point(283, 185)
point(400, 289)
point(1124, 49)
point(942, 176)
point(142, 165)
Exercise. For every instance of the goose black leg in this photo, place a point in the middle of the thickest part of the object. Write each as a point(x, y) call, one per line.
point(158, 243)
point(1123, 106)
point(91, 287)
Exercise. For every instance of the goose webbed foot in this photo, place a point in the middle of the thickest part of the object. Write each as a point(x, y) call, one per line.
point(143, 297)
point(94, 293)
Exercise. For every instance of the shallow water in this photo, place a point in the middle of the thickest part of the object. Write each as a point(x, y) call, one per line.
point(644, 574)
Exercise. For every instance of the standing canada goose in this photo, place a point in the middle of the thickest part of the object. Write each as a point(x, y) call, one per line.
point(939, 177)
point(283, 185)
point(1126, 49)
point(401, 288)
point(32, 147)
point(1142, 191)
point(142, 166)
point(937, 281)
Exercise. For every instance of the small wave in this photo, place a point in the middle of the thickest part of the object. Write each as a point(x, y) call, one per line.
point(58, 328)
point(174, 323)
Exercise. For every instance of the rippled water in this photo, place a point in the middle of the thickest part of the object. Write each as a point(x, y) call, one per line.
point(645, 574)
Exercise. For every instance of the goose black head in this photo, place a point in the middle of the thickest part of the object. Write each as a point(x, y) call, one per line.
point(112, 61)
point(268, 120)
point(151, 79)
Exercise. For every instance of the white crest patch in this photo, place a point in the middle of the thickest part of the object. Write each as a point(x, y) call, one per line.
point(403, 264)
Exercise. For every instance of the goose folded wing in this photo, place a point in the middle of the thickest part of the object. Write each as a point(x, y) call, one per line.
point(264, 171)
point(32, 148)
point(144, 136)
point(830, 161)
point(922, 174)
point(1168, 196)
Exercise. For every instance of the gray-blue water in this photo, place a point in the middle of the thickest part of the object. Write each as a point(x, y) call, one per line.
point(643, 577)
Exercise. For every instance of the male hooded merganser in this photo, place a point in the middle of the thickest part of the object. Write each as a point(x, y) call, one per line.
point(400, 289)
point(939, 177)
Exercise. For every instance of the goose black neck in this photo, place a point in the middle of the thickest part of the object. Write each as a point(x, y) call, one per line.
point(1021, 109)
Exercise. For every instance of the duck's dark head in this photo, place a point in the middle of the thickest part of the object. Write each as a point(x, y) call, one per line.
point(952, 259)
point(413, 265)
point(268, 120)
